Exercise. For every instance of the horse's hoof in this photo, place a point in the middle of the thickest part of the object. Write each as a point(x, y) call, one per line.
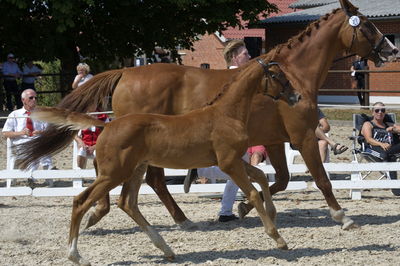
point(350, 225)
point(78, 260)
point(243, 210)
point(283, 247)
point(188, 225)
point(170, 258)
point(86, 221)
point(282, 244)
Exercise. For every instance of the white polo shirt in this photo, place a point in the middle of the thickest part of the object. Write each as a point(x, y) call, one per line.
point(16, 121)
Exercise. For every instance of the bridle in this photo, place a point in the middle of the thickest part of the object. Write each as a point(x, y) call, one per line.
point(375, 47)
point(281, 79)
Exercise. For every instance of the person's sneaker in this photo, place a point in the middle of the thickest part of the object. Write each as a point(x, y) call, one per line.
point(243, 210)
point(190, 177)
point(227, 218)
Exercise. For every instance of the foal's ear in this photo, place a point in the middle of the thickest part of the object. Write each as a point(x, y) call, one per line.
point(348, 7)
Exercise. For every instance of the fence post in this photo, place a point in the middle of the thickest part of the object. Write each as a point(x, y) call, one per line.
point(355, 194)
point(78, 182)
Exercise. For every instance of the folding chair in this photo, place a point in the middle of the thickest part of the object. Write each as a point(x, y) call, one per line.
point(359, 150)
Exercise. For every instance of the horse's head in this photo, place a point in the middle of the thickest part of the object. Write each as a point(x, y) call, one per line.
point(276, 85)
point(364, 39)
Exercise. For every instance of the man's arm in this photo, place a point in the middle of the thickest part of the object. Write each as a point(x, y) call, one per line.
point(16, 134)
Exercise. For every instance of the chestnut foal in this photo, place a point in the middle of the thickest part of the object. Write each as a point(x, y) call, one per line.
point(217, 133)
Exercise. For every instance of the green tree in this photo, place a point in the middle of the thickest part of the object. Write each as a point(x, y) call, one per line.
point(104, 30)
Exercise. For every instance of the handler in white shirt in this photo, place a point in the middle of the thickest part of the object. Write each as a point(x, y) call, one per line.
point(20, 128)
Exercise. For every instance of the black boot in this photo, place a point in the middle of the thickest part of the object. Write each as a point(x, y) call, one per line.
point(190, 177)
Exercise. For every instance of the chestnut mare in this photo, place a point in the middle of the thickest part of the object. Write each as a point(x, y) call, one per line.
point(218, 134)
point(170, 89)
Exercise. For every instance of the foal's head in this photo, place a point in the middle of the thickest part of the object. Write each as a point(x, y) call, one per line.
point(360, 36)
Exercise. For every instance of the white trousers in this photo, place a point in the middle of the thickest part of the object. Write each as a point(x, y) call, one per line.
point(231, 189)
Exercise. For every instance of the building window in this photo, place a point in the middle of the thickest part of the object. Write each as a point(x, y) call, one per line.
point(205, 66)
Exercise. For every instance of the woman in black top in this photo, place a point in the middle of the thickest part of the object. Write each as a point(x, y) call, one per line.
point(382, 138)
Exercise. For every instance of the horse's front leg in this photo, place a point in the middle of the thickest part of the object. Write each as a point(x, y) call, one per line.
point(156, 180)
point(310, 153)
point(234, 167)
point(276, 154)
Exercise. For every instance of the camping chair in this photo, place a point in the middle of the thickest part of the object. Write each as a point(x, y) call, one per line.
point(359, 150)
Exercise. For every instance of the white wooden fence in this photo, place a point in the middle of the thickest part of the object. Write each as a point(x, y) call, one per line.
point(355, 184)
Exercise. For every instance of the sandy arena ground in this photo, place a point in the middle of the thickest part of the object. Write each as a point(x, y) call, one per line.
point(34, 231)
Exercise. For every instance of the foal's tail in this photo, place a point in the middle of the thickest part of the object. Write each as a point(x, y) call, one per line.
point(92, 94)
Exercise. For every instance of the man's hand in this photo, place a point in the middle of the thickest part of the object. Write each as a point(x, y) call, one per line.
point(26, 132)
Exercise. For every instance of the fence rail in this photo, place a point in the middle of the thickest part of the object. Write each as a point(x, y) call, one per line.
point(355, 184)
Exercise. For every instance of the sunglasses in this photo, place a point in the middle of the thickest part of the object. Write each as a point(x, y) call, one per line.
point(32, 97)
point(383, 110)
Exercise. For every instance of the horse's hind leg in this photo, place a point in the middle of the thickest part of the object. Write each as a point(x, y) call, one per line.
point(310, 153)
point(81, 204)
point(236, 170)
point(277, 157)
point(128, 202)
point(101, 209)
point(156, 180)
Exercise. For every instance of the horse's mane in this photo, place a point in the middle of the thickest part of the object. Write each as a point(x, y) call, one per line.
point(299, 38)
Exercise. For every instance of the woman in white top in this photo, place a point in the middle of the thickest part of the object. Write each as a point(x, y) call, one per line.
point(83, 70)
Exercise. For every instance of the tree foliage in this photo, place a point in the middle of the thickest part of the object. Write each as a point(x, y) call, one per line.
point(105, 29)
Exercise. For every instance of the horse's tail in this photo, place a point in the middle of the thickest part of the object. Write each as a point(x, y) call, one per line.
point(63, 118)
point(94, 93)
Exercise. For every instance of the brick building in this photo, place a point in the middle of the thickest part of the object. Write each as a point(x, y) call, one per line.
point(208, 50)
point(385, 14)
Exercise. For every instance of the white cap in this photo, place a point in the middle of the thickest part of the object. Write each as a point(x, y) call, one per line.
point(10, 55)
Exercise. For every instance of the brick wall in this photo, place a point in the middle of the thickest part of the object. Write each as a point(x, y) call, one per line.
point(207, 50)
